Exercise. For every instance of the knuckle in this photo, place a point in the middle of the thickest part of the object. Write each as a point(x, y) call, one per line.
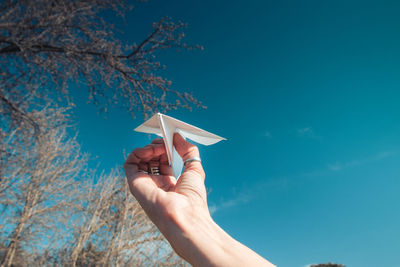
point(192, 149)
point(126, 165)
point(136, 150)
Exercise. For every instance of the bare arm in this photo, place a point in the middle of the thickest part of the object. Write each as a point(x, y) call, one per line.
point(179, 208)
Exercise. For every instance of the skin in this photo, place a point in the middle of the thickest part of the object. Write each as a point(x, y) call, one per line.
point(179, 208)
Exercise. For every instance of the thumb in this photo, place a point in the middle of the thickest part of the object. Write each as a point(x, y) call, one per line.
point(192, 177)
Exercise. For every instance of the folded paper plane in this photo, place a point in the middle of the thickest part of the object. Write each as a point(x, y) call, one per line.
point(166, 126)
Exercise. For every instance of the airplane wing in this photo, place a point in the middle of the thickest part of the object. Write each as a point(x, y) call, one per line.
point(166, 126)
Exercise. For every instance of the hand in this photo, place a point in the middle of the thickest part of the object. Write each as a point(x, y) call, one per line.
point(167, 202)
point(179, 208)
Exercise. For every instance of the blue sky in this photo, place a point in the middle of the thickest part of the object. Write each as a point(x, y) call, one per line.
point(307, 94)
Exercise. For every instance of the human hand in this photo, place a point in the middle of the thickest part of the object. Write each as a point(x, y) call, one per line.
point(171, 205)
point(179, 208)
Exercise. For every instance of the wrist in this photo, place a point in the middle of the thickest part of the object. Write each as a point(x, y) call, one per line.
point(206, 243)
point(201, 242)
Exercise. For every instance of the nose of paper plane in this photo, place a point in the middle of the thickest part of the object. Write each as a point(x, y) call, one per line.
point(177, 165)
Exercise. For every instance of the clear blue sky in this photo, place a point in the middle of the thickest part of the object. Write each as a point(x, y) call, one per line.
point(307, 93)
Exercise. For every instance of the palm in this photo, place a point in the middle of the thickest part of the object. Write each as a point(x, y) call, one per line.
point(169, 195)
point(162, 195)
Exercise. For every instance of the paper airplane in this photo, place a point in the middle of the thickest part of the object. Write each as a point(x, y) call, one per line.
point(166, 126)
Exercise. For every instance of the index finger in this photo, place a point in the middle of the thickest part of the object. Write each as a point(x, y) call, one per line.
point(144, 154)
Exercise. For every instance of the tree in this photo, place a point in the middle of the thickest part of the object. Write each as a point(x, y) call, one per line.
point(57, 212)
point(113, 222)
point(19, 255)
point(90, 256)
point(38, 176)
point(47, 45)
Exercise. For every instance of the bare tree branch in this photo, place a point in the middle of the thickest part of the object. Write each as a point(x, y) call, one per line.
point(58, 43)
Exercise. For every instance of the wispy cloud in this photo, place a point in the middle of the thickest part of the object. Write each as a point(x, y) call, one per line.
point(307, 132)
point(228, 203)
point(267, 134)
point(342, 165)
point(248, 193)
point(338, 166)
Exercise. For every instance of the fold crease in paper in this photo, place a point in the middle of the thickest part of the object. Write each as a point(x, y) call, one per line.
point(166, 126)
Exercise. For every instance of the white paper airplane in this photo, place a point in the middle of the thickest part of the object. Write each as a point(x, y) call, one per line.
point(166, 126)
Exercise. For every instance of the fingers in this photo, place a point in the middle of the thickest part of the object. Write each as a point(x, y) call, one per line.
point(191, 181)
point(145, 154)
point(137, 162)
point(140, 161)
point(141, 157)
point(187, 151)
point(158, 141)
point(164, 166)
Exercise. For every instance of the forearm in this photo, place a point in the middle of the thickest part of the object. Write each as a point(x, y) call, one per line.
point(201, 242)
